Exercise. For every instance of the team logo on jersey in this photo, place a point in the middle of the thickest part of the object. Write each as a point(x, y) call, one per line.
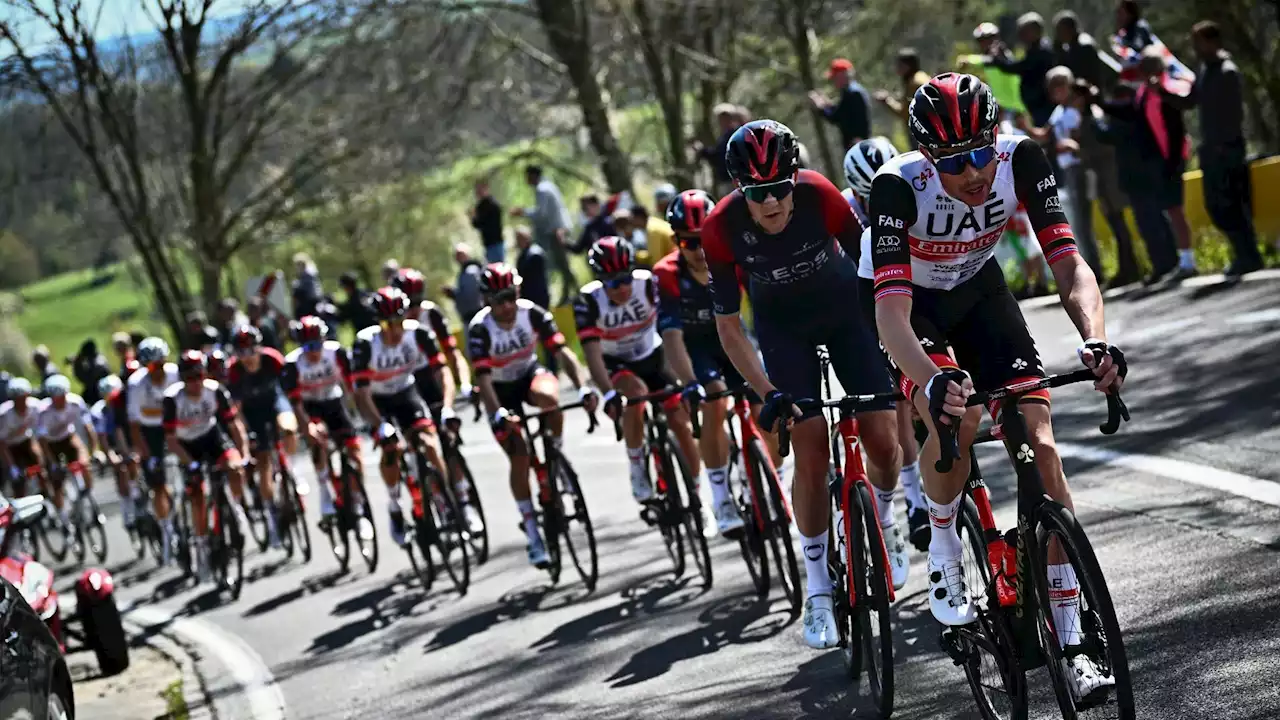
point(921, 181)
point(1004, 156)
point(1046, 183)
point(631, 313)
point(889, 221)
point(888, 241)
point(749, 237)
point(944, 224)
point(512, 343)
point(1052, 204)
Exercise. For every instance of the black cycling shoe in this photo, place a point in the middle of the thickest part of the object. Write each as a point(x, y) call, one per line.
point(918, 529)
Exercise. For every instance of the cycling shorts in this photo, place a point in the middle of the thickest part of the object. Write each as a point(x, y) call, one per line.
point(651, 369)
point(404, 408)
point(790, 354)
point(428, 388)
point(24, 454)
point(712, 364)
point(513, 395)
point(210, 449)
point(66, 450)
point(262, 422)
point(983, 325)
point(867, 303)
point(333, 415)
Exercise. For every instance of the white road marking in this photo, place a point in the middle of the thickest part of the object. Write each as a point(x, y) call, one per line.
point(266, 701)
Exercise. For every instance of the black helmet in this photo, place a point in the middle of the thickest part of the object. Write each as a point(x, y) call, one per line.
point(951, 110)
point(762, 151)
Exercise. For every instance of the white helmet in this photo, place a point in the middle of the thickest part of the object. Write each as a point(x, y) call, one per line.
point(109, 384)
point(863, 160)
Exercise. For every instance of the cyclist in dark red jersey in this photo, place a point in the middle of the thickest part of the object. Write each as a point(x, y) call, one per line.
point(937, 215)
point(797, 240)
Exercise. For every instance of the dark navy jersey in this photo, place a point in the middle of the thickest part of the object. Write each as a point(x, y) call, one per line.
point(683, 302)
point(811, 264)
point(256, 390)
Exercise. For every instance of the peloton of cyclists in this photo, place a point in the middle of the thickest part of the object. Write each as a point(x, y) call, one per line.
point(62, 418)
point(146, 388)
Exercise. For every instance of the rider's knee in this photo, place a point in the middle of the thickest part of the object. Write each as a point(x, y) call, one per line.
point(879, 434)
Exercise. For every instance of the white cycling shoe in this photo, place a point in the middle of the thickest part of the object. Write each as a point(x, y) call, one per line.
point(538, 556)
point(641, 490)
point(471, 517)
point(948, 595)
point(899, 563)
point(728, 520)
point(820, 632)
point(1085, 679)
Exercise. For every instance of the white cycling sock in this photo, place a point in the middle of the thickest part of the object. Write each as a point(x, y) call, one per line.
point(1064, 598)
point(817, 576)
point(636, 458)
point(1187, 259)
point(126, 508)
point(393, 498)
point(944, 541)
point(530, 521)
point(910, 478)
point(719, 477)
point(326, 493)
point(884, 507)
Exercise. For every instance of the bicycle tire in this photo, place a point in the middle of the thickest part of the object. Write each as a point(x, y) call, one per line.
point(251, 503)
point(418, 539)
point(294, 515)
point(873, 600)
point(362, 521)
point(52, 526)
point(780, 540)
point(670, 512)
point(344, 520)
point(479, 543)
point(97, 529)
point(552, 519)
point(996, 637)
point(585, 559)
point(181, 538)
point(450, 537)
point(233, 544)
point(752, 543)
point(79, 547)
point(1097, 612)
point(691, 514)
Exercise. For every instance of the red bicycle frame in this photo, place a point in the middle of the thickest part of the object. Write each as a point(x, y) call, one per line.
point(854, 474)
point(751, 431)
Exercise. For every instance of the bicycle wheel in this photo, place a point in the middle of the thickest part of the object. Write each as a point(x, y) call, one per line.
point(783, 547)
point(293, 518)
point(751, 504)
point(669, 511)
point(579, 535)
point(1099, 631)
point(56, 535)
point(251, 503)
point(873, 610)
point(420, 532)
point(228, 558)
point(450, 536)
point(691, 515)
point(997, 681)
point(181, 538)
point(479, 541)
point(94, 526)
point(360, 516)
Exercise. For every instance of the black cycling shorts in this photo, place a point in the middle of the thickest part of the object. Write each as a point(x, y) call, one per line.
point(428, 388)
point(651, 369)
point(790, 354)
point(209, 449)
point(711, 364)
point(24, 455)
point(260, 422)
point(983, 325)
point(333, 414)
point(404, 408)
point(513, 395)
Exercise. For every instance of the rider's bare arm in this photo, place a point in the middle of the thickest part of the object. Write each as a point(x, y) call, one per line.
point(488, 396)
point(595, 365)
point(742, 353)
point(678, 355)
point(571, 366)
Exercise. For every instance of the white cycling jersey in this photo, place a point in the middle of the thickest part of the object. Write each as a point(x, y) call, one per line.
point(146, 399)
point(856, 205)
point(98, 415)
point(191, 418)
point(18, 427)
point(319, 380)
point(388, 369)
point(56, 424)
point(507, 354)
point(628, 331)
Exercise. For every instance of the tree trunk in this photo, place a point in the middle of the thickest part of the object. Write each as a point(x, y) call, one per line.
point(160, 289)
point(210, 283)
point(665, 71)
point(799, 32)
point(566, 24)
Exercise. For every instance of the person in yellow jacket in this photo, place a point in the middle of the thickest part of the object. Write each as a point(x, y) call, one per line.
point(651, 236)
point(1006, 86)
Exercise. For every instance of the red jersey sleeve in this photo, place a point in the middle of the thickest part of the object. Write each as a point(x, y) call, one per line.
point(838, 217)
point(726, 291)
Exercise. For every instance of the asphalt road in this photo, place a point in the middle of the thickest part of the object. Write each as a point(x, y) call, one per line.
point(1192, 565)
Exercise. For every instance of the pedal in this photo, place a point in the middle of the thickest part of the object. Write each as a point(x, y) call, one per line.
point(955, 645)
point(650, 514)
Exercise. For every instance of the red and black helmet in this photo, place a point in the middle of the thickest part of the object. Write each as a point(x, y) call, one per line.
point(246, 337)
point(390, 303)
point(689, 210)
point(309, 329)
point(953, 110)
point(192, 364)
point(411, 283)
point(610, 255)
point(498, 277)
point(217, 364)
point(762, 151)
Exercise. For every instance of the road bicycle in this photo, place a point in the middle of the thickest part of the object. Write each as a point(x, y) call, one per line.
point(676, 507)
point(290, 511)
point(762, 505)
point(450, 443)
point(29, 534)
point(1015, 631)
point(146, 532)
point(224, 535)
point(85, 528)
point(436, 521)
point(352, 516)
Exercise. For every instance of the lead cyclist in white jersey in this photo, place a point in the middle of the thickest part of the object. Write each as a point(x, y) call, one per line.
point(937, 214)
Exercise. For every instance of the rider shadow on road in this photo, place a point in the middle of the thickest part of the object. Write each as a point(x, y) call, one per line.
point(737, 621)
point(309, 586)
point(387, 604)
point(511, 606)
point(650, 597)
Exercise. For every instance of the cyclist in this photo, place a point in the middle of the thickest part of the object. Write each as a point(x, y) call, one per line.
point(18, 448)
point(198, 417)
point(938, 214)
point(253, 379)
point(617, 319)
point(383, 361)
point(316, 376)
point(110, 417)
point(61, 418)
point(686, 320)
point(439, 396)
point(860, 166)
point(794, 236)
point(502, 342)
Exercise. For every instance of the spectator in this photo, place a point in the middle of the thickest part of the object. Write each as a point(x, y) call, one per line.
point(390, 269)
point(465, 292)
point(197, 323)
point(1032, 68)
point(658, 237)
point(89, 366)
point(1079, 52)
point(486, 217)
point(43, 365)
point(307, 291)
point(728, 118)
point(136, 337)
point(662, 197)
point(852, 113)
point(122, 346)
point(356, 308)
point(907, 67)
point(596, 222)
point(261, 317)
point(1006, 86)
point(531, 265)
point(1098, 159)
point(1157, 108)
point(227, 317)
point(1219, 90)
point(550, 222)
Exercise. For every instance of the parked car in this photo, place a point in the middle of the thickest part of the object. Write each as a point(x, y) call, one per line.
point(34, 680)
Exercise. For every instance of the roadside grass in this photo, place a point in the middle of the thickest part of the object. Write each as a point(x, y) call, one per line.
point(175, 703)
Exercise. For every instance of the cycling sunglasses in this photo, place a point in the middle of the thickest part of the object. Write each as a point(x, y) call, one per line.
point(955, 164)
point(310, 347)
point(688, 240)
point(760, 193)
point(613, 282)
point(503, 296)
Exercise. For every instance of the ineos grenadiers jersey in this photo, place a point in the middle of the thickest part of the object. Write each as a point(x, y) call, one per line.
point(921, 236)
point(57, 424)
point(146, 399)
point(388, 369)
point(683, 302)
point(16, 427)
point(628, 331)
point(320, 380)
point(257, 390)
point(191, 418)
point(506, 354)
point(794, 274)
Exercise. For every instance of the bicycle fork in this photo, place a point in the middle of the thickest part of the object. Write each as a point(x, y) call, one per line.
point(854, 474)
